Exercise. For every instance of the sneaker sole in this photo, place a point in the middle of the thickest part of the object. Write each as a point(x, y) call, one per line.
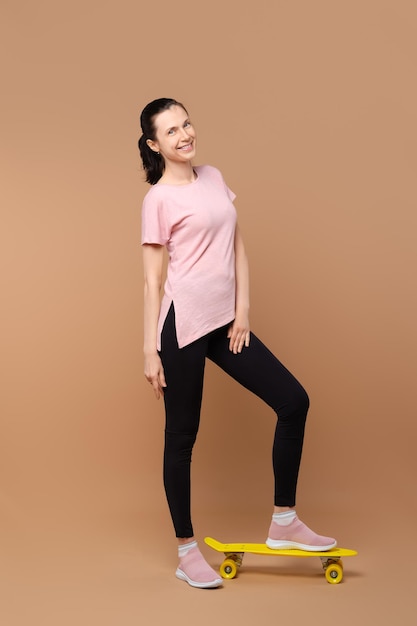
point(212, 584)
point(294, 545)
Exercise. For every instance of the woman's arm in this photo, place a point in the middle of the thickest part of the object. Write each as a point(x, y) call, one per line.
point(239, 333)
point(153, 256)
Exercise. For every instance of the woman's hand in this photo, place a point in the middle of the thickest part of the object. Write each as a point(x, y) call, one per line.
point(154, 373)
point(239, 333)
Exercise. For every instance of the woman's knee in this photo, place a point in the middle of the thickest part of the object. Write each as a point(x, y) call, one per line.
point(301, 404)
point(294, 407)
point(303, 401)
point(179, 446)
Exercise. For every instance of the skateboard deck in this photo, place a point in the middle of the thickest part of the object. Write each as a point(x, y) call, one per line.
point(331, 559)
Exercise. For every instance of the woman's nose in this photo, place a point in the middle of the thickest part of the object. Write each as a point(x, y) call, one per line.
point(184, 134)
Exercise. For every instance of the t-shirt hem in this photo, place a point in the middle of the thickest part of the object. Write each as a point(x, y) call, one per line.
point(186, 341)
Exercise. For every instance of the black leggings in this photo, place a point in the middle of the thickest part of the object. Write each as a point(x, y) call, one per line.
point(257, 369)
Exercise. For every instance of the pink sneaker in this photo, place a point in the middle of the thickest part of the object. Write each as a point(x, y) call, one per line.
point(297, 536)
point(195, 570)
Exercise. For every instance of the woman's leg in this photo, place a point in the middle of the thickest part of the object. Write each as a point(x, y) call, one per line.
point(257, 369)
point(184, 373)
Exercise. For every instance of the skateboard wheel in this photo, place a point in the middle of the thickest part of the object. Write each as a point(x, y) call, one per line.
point(334, 573)
point(228, 569)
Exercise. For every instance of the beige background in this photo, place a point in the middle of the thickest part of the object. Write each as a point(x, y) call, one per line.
point(308, 108)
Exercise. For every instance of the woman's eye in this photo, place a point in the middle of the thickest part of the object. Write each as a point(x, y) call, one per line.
point(171, 131)
point(187, 124)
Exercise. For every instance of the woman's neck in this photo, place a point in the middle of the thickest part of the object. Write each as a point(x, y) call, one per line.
point(178, 174)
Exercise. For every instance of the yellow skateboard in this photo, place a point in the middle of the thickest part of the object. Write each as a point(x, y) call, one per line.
point(331, 559)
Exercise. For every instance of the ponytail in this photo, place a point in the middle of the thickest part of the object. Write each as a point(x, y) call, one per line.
point(153, 162)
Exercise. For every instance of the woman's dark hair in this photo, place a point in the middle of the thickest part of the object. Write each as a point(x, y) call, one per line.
point(153, 162)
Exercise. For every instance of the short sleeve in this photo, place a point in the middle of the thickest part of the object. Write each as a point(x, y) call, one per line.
point(155, 229)
point(230, 194)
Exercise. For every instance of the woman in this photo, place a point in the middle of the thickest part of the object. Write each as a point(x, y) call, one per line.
point(204, 313)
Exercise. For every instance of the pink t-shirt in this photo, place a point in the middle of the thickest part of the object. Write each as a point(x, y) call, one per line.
point(196, 222)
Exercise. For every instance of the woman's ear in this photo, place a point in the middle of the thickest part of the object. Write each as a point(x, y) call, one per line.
point(152, 145)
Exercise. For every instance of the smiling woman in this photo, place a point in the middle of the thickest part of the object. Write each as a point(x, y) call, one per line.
point(204, 313)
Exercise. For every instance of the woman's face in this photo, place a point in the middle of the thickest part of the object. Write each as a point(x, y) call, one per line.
point(175, 136)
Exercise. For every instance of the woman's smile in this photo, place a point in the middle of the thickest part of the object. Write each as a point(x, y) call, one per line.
point(187, 147)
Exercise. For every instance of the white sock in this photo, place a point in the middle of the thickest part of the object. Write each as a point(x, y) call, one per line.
point(285, 518)
point(183, 549)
